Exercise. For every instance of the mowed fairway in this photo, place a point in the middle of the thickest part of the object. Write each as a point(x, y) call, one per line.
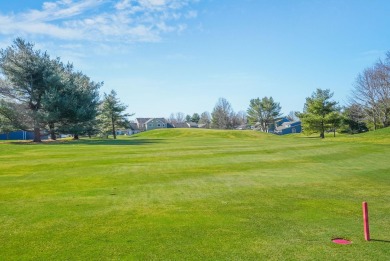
point(195, 195)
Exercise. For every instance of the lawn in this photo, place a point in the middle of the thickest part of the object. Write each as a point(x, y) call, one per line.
point(195, 195)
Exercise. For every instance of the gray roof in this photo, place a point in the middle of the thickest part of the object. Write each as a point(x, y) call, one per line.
point(142, 121)
point(181, 125)
point(193, 124)
point(134, 126)
point(288, 124)
point(158, 119)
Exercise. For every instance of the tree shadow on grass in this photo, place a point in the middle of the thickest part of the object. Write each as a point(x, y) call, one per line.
point(108, 142)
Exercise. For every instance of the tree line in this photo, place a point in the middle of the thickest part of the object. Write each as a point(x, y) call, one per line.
point(368, 108)
point(38, 92)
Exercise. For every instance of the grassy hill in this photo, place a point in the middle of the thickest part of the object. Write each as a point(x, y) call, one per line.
point(381, 136)
point(191, 194)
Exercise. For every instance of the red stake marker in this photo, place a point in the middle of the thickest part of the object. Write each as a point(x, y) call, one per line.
point(365, 219)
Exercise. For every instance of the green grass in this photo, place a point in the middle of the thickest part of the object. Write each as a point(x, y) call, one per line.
point(195, 195)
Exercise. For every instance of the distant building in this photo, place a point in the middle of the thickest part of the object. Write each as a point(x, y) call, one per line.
point(144, 124)
point(133, 128)
point(185, 125)
point(243, 127)
point(284, 126)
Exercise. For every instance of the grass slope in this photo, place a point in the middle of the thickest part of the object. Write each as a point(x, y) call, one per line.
point(195, 195)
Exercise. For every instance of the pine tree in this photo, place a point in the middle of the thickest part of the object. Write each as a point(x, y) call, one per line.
point(112, 113)
point(264, 112)
point(319, 113)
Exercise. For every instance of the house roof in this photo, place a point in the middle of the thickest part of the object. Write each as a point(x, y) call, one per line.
point(142, 121)
point(157, 119)
point(134, 126)
point(181, 125)
point(192, 124)
point(288, 124)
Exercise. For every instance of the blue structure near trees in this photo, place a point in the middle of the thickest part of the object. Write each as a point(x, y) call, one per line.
point(17, 135)
point(284, 126)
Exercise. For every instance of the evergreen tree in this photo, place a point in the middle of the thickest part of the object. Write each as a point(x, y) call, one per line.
point(29, 75)
point(13, 116)
point(319, 113)
point(112, 113)
point(354, 117)
point(195, 117)
point(72, 103)
point(264, 112)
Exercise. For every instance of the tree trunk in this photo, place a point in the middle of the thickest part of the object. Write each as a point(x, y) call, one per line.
point(75, 136)
point(322, 134)
point(37, 129)
point(386, 120)
point(113, 128)
point(52, 133)
point(37, 134)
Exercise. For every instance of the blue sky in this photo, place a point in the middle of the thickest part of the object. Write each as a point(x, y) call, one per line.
point(168, 56)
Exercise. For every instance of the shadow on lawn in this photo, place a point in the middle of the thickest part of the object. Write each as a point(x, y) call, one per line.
point(93, 142)
point(380, 240)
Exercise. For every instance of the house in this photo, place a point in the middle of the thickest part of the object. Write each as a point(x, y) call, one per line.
point(185, 125)
point(288, 127)
point(133, 129)
point(145, 124)
point(243, 127)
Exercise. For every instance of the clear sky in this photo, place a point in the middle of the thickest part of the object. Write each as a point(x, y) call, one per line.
point(168, 56)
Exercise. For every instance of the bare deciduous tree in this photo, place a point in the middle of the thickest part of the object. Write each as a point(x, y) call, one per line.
point(222, 115)
point(205, 118)
point(372, 92)
point(239, 119)
point(178, 117)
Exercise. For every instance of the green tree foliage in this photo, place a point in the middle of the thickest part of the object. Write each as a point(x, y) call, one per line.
point(222, 115)
point(47, 93)
point(319, 113)
point(112, 113)
point(195, 117)
point(73, 105)
point(6, 115)
point(263, 112)
point(354, 117)
point(29, 75)
point(335, 120)
point(13, 116)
